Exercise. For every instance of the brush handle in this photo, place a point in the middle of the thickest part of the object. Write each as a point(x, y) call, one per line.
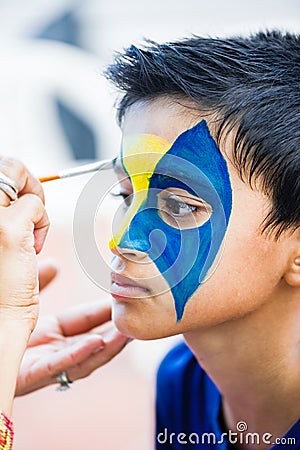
point(105, 164)
point(87, 168)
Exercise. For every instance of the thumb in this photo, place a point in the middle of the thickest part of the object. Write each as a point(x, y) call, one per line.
point(47, 271)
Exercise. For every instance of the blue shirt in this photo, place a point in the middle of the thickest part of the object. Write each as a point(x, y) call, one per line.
point(188, 408)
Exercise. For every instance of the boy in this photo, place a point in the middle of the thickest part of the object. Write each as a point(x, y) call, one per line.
point(209, 241)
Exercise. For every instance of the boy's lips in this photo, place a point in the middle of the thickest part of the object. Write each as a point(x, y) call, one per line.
point(124, 287)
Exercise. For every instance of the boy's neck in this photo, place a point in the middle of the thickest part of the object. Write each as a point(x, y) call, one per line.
point(255, 362)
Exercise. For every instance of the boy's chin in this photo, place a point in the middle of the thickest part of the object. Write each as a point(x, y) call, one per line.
point(148, 327)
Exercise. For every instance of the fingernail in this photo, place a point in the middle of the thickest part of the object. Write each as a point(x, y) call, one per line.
point(98, 349)
point(110, 335)
point(100, 342)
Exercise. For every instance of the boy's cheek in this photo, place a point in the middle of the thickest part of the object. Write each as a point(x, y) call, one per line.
point(245, 278)
point(240, 283)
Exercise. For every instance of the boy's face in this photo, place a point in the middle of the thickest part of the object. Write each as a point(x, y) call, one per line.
point(188, 246)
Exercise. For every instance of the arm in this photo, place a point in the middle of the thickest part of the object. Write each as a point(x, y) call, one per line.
point(23, 228)
point(13, 341)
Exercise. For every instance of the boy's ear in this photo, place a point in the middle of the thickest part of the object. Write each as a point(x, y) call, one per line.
point(292, 275)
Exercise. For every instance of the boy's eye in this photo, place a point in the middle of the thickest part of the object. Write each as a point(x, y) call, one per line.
point(182, 211)
point(127, 198)
point(177, 208)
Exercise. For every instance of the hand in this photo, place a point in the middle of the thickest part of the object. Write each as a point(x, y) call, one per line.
point(65, 342)
point(23, 228)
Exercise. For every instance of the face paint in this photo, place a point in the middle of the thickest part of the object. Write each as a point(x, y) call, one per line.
point(139, 168)
point(195, 165)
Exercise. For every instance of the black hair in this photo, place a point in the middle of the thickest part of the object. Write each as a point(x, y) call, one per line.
point(251, 83)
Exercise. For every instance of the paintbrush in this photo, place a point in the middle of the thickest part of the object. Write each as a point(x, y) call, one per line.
point(80, 170)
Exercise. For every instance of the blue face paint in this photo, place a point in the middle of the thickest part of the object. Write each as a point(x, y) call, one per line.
point(183, 256)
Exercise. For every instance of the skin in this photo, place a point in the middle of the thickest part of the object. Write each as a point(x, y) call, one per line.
point(62, 342)
point(23, 228)
point(67, 342)
point(167, 219)
point(242, 324)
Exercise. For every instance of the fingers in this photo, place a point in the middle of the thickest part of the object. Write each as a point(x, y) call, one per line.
point(77, 356)
point(26, 182)
point(46, 369)
point(82, 358)
point(114, 344)
point(33, 206)
point(47, 271)
point(26, 215)
point(83, 318)
point(72, 355)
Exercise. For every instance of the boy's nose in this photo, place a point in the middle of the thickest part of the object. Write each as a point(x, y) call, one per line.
point(128, 254)
point(143, 238)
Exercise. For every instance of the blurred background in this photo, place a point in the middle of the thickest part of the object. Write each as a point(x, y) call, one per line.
point(56, 111)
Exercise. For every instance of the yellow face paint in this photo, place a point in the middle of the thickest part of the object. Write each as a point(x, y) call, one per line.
point(140, 155)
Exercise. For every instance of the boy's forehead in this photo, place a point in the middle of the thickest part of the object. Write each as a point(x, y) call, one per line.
point(141, 153)
point(168, 118)
point(153, 127)
point(160, 117)
point(149, 130)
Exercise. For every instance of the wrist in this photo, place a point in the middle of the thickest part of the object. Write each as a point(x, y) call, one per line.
point(18, 320)
point(14, 337)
